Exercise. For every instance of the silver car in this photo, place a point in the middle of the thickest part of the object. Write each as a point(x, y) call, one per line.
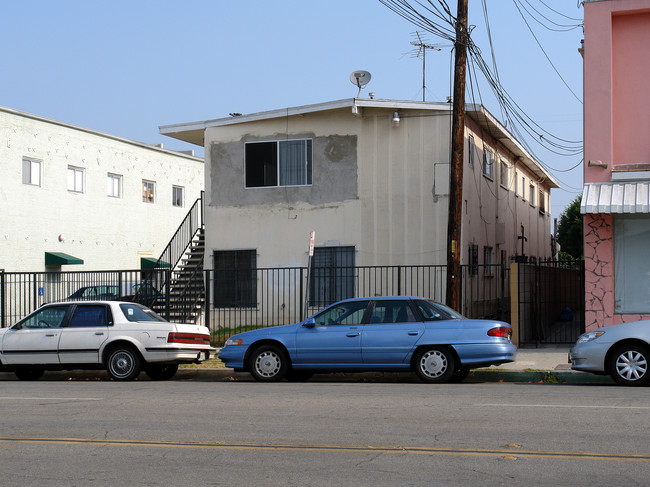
point(622, 351)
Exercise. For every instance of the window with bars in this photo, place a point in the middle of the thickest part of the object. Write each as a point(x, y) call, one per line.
point(488, 163)
point(473, 259)
point(332, 275)
point(505, 174)
point(488, 260)
point(235, 283)
point(471, 150)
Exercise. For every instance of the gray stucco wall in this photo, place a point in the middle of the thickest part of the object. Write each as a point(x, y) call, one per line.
point(334, 175)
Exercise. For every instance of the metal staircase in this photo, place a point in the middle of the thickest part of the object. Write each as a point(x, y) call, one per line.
point(180, 270)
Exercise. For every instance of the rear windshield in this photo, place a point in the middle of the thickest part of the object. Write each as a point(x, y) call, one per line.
point(137, 312)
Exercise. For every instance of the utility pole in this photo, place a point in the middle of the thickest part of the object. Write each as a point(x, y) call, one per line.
point(456, 170)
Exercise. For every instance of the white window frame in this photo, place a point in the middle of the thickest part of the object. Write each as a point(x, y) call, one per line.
point(175, 199)
point(32, 171)
point(532, 194)
point(76, 179)
point(504, 173)
point(471, 150)
point(542, 201)
point(523, 188)
point(148, 194)
point(488, 163)
point(309, 163)
point(114, 185)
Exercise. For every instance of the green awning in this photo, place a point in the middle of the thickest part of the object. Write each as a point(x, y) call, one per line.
point(59, 258)
point(150, 263)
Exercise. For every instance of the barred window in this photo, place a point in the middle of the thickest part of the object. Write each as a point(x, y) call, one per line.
point(235, 285)
point(332, 275)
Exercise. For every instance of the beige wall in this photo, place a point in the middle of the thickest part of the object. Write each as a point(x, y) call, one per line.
point(395, 213)
point(106, 232)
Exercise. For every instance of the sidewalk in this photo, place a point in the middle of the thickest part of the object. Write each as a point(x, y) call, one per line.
point(536, 365)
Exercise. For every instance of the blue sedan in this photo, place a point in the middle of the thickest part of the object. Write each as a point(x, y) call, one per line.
point(379, 333)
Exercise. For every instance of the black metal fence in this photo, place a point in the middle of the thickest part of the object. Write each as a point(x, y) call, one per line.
point(551, 302)
point(262, 297)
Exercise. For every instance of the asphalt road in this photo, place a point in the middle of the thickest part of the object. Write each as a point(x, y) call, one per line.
point(104, 433)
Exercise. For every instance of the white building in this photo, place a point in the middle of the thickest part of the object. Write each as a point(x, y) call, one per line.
point(70, 195)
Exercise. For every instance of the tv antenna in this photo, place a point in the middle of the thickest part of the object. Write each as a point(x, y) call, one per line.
point(422, 49)
point(360, 79)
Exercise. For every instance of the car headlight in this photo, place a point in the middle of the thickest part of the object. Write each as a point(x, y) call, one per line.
point(587, 337)
point(234, 341)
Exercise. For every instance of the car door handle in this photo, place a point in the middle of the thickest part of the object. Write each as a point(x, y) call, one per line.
point(352, 334)
point(50, 334)
point(414, 333)
point(99, 333)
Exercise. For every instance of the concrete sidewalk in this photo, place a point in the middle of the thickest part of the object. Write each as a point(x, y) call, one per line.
point(536, 365)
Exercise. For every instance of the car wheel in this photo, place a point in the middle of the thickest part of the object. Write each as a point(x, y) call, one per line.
point(161, 372)
point(435, 364)
point(628, 365)
point(460, 375)
point(29, 374)
point(123, 363)
point(268, 364)
point(299, 375)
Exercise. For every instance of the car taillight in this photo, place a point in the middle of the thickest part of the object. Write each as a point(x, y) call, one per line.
point(195, 338)
point(500, 331)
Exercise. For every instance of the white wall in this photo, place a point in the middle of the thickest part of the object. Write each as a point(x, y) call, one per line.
point(106, 232)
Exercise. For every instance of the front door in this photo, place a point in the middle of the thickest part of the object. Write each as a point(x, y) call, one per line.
point(35, 339)
point(335, 340)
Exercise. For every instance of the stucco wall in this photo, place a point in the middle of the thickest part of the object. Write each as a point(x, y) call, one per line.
point(106, 232)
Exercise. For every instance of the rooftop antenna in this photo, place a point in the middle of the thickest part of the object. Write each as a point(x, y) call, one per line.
point(360, 79)
point(422, 49)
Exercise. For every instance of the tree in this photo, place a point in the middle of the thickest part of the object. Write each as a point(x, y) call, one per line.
point(570, 230)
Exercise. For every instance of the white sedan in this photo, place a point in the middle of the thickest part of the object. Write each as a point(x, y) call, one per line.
point(124, 338)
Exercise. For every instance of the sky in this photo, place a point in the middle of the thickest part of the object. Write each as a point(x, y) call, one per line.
point(126, 67)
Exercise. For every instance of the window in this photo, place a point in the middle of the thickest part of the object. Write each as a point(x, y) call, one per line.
point(473, 259)
point(48, 317)
point(332, 275)
point(542, 202)
point(75, 179)
point(177, 196)
point(31, 171)
point(488, 163)
point(631, 265)
point(523, 188)
point(471, 150)
point(278, 163)
point(343, 314)
point(114, 185)
point(148, 191)
point(235, 284)
point(504, 174)
point(85, 316)
point(488, 260)
point(387, 312)
point(532, 194)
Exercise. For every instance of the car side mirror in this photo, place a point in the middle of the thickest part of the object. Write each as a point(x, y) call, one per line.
point(310, 323)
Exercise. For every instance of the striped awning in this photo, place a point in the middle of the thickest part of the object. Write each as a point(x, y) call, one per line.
point(616, 197)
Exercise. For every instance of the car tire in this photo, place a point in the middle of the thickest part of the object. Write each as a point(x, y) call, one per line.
point(460, 375)
point(123, 363)
point(161, 372)
point(29, 374)
point(628, 364)
point(299, 375)
point(435, 364)
point(268, 363)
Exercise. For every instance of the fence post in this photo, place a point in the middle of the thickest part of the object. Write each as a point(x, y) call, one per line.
point(399, 280)
point(2, 298)
point(167, 274)
point(503, 291)
point(206, 277)
point(302, 293)
point(514, 302)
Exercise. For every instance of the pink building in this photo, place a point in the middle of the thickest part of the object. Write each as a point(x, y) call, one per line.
point(615, 203)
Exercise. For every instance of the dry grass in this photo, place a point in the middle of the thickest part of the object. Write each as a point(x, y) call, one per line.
point(213, 363)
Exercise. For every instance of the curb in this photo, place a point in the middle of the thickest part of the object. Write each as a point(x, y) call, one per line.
point(225, 374)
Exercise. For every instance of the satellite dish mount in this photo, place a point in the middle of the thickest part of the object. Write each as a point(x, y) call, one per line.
point(360, 79)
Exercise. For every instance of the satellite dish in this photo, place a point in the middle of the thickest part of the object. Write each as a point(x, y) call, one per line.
point(360, 79)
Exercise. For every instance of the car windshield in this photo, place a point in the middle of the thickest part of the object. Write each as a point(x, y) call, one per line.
point(136, 312)
point(435, 311)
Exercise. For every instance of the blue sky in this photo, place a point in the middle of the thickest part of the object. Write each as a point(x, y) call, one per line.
point(126, 67)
